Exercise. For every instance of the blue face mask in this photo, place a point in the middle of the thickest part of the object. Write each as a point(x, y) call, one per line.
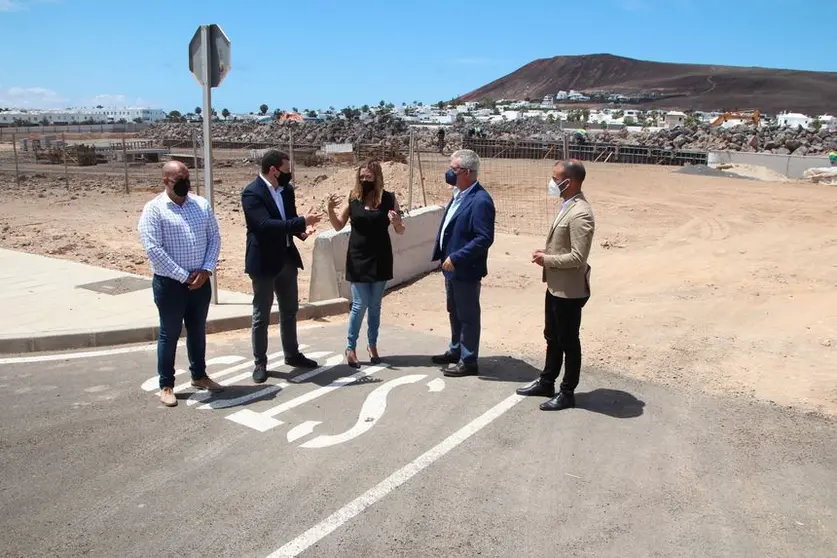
point(450, 177)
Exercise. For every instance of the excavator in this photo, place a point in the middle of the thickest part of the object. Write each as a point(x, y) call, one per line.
point(755, 116)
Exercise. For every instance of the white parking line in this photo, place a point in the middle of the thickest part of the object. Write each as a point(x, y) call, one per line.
point(106, 352)
point(376, 493)
point(72, 356)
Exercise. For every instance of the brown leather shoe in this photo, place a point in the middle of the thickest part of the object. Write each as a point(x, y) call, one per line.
point(167, 397)
point(207, 384)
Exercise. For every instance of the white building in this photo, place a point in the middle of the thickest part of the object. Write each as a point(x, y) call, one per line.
point(674, 118)
point(80, 116)
point(828, 122)
point(792, 120)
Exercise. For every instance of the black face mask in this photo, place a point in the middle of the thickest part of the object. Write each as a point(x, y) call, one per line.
point(182, 187)
point(367, 185)
point(283, 179)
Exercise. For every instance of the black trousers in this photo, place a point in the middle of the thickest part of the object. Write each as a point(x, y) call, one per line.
point(562, 323)
point(286, 289)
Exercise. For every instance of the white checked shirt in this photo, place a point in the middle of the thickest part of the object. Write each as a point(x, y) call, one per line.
point(179, 239)
point(457, 200)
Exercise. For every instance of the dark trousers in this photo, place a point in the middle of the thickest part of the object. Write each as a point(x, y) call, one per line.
point(463, 303)
point(561, 330)
point(284, 286)
point(177, 304)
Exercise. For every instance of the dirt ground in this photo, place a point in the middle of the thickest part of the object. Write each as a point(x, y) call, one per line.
point(721, 284)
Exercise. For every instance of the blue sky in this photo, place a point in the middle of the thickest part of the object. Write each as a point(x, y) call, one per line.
point(316, 53)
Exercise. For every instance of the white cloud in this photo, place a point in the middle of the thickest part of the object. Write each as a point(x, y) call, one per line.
point(31, 97)
point(108, 100)
point(21, 5)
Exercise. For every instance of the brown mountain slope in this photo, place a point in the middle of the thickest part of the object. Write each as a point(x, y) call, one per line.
point(683, 86)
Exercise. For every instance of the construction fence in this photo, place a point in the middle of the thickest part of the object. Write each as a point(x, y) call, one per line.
point(515, 172)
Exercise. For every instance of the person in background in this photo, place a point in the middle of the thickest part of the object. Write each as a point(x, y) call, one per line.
point(272, 260)
point(567, 276)
point(179, 233)
point(462, 242)
point(369, 262)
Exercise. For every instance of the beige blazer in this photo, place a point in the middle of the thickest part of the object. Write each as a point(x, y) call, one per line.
point(565, 269)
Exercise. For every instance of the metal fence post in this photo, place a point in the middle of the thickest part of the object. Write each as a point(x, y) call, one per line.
point(14, 148)
point(291, 153)
point(125, 163)
point(410, 180)
point(66, 148)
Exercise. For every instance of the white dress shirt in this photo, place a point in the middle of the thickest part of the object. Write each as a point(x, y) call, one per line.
point(276, 194)
point(457, 201)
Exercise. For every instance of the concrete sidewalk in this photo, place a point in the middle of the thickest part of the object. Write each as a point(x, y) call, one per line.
point(49, 304)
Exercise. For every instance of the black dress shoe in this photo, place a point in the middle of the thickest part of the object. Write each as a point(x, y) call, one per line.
point(301, 361)
point(537, 389)
point(260, 373)
point(461, 369)
point(559, 402)
point(447, 358)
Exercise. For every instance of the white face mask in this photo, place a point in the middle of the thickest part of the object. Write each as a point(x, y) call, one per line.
point(553, 189)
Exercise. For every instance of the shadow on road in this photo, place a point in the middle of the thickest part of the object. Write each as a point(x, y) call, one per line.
point(611, 402)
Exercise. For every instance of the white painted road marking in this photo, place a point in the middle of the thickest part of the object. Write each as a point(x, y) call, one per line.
point(154, 382)
point(376, 493)
point(226, 372)
point(265, 420)
point(107, 352)
point(85, 354)
point(371, 411)
point(437, 385)
point(200, 396)
point(302, 430)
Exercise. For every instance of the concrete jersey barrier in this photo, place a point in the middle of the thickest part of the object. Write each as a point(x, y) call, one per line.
point(412, 253)
point(792, 166)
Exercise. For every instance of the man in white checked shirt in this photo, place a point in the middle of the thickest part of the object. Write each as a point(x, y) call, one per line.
point(180, 235)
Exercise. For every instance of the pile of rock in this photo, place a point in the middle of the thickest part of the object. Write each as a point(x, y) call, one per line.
point(393, 132)
point(784, 141)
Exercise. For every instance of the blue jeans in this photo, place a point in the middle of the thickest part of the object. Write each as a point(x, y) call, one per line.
point(365, 296)
point(463, 304)
point(177, 304)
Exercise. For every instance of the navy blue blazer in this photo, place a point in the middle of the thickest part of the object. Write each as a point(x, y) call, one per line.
point(267, 232)
point(468, 236)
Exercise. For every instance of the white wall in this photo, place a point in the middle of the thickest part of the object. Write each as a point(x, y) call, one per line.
point(412, 253)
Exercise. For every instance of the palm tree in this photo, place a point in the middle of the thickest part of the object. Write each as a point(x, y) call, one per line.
point(198, 111)
point(225, 113)
point(263, 109)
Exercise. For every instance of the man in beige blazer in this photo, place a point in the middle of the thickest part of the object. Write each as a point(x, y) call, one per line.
point(567, 277)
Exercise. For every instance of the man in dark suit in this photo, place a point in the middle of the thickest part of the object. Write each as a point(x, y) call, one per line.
point(272, 260)
point(462, 243)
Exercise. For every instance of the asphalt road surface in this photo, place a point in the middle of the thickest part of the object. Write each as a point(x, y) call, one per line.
point(397, 461)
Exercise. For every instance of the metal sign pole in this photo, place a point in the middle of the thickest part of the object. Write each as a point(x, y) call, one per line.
point(206, 58)
point(195, 157)
point(17, 169)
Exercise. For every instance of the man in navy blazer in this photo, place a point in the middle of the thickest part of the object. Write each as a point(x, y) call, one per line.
point(465, 235)
point(272, 260)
